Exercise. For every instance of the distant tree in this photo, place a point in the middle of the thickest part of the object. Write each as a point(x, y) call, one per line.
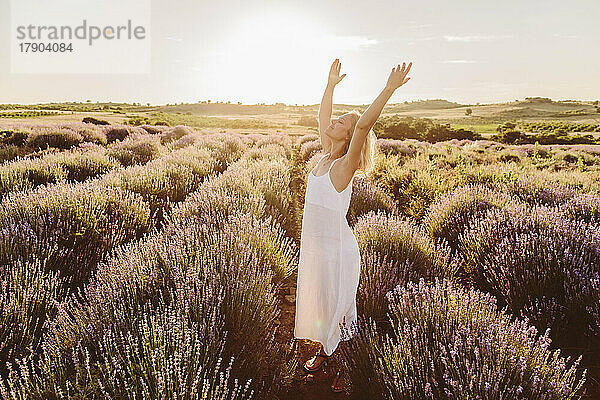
point(468, 111)
point(88, 101)
point(509, 136)
point(208, 101)
point(148, 104)
point(239, 103)
point(538, 99)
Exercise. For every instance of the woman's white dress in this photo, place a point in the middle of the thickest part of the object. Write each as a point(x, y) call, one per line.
point(329, 265)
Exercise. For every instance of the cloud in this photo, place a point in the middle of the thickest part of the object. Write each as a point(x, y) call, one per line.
point(459, 62)
point(173, 39)
point(475, 38)
point(414, 40)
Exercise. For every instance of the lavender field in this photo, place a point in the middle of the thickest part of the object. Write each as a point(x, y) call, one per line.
point(159, 262)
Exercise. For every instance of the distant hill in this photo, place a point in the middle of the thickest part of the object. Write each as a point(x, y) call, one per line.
point(224, 108)
point(531, 108)
point(435, 104)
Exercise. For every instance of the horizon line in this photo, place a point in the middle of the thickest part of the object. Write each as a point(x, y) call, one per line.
point(229, 102)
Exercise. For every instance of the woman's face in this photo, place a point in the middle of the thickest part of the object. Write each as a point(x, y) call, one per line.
point(339, 127)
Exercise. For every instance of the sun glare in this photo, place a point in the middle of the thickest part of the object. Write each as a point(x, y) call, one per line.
point(278, 53)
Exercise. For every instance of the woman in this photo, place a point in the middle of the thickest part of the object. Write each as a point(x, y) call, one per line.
point(329, 265)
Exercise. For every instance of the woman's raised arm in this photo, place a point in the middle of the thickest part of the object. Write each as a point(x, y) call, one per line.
point(396, 79)
point(327, 102)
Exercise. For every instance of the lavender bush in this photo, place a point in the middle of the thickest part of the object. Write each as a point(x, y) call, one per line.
point(13, 137)
point(80, 166)
point(395, 250)
point(72, 225)
point(540, 264)
point(261, 186)
point(395, 147)
point(309, 148)
point(166, 180)
point(27, 297)
point(89, 133)
point(449, 215)
point(60, 135)
point(120, 132)
point(130, 277)
point(215, 199)
point(225, 148)
point(281, 139)
point(366, 197)
point(307, 138)
point(188, 257)
point(164, 354)
point(379, 273)
point(61, 138)
point(535, 191)
point(25, 173)
point(137, 150)
point(154, 129)
point(414, 183)
point(583, 206)
point(267, 241)
point(266, 152)
point(453, 343)
point(175, 133)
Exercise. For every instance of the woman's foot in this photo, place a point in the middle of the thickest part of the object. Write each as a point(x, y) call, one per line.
point(315, 363)
point(336, 385)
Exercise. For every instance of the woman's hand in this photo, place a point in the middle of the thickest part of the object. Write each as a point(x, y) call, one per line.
point(334, 73)
point(397, 76)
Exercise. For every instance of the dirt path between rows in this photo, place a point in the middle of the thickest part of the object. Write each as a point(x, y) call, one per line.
point(307, 386)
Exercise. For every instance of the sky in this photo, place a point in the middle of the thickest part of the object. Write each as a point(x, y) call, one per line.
point(280, 51)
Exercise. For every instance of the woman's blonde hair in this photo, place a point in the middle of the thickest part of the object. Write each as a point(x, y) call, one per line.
point(367, 154)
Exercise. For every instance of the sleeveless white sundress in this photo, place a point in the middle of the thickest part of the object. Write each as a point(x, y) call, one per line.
point(329, 265)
